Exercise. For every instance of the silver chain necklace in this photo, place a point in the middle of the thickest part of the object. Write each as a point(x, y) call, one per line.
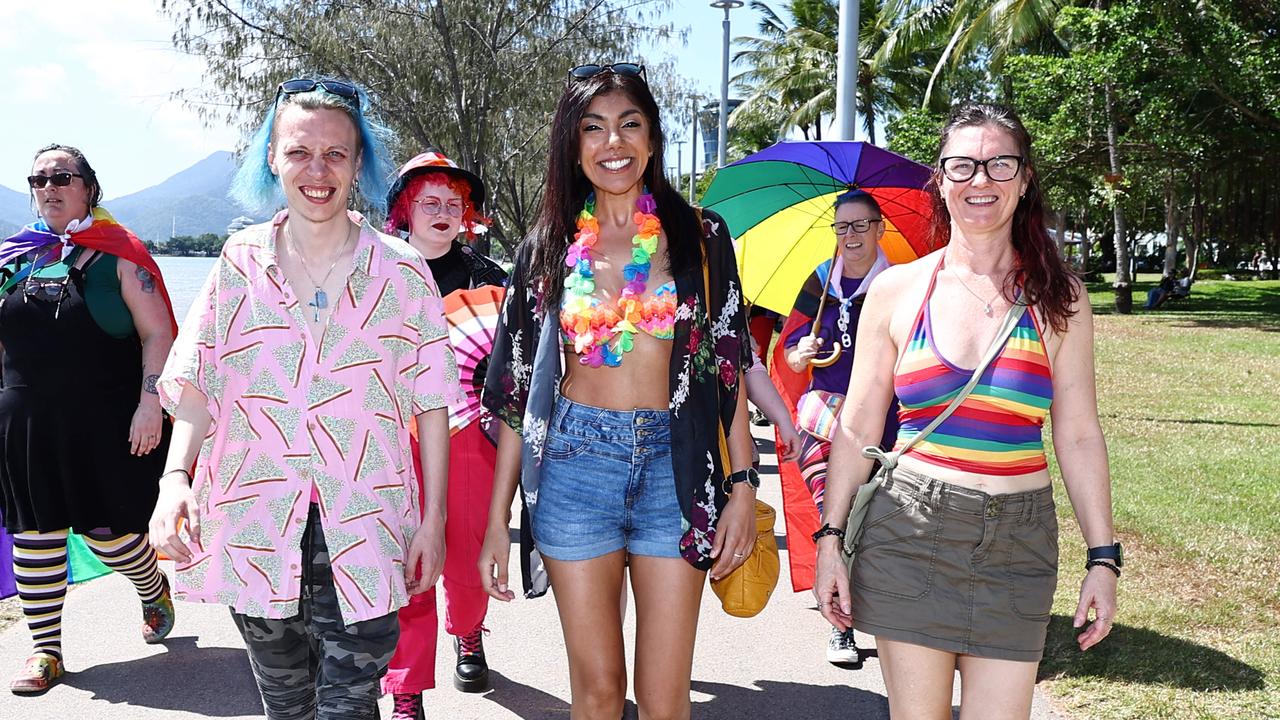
point(988, 309)
point(320, 298)
point(842, 324)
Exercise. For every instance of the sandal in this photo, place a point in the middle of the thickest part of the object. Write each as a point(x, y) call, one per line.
point(41, 672)
point(158, 617)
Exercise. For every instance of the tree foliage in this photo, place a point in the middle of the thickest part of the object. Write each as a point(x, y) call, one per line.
point(476, 78)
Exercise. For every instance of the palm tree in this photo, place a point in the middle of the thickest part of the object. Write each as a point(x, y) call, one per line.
point(962, 30)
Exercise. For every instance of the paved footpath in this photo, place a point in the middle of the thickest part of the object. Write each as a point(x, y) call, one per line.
point(769, 666)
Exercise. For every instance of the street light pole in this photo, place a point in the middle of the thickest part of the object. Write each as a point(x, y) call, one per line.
point(679, 162)
point(847, 71)
point(722, 142)
point(693, 154)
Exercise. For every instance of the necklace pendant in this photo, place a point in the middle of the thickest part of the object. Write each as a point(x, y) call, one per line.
point(319, 302)
point(988, 310)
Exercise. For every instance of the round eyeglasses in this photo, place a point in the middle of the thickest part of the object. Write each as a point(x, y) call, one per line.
point(1001, 168)
point(432, 207)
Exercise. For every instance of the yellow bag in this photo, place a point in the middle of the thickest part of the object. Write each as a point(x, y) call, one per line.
point(745, 591)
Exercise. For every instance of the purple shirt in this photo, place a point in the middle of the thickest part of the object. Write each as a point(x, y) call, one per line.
point(835, 377)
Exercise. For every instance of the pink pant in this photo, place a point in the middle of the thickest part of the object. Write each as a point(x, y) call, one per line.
point(413, 667)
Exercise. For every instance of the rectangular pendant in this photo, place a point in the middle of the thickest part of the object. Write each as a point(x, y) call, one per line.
point(321, 300)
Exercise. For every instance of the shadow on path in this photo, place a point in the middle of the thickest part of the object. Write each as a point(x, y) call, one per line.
point(1138, 655)
point(773, 699)
point(214, 682)
point(523, 700)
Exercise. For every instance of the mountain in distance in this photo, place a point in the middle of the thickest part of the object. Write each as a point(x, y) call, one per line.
point(15, 211)
point(192, 202)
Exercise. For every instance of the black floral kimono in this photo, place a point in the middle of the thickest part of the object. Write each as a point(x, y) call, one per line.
point(708, 356)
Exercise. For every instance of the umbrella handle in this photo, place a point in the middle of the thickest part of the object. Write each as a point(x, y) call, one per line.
point(829, 360)
point(836, 348)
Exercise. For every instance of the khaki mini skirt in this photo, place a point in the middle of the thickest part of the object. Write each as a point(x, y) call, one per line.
point(957, 569)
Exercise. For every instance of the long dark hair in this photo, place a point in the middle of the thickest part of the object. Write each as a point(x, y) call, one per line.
point(567, 187)
point(1040, 271)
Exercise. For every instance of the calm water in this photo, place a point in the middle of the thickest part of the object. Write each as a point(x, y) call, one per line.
point(184, 276)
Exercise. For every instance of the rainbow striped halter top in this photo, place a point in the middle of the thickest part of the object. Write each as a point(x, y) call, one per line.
point(996, 430)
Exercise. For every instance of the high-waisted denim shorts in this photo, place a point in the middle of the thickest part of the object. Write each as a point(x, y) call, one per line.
point(607, 484)
point(957, 569)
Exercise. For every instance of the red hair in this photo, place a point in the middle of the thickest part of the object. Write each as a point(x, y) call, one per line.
point(1040, 271)
point(399, 214)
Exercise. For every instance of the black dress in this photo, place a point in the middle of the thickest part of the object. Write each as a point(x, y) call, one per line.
point(69, 393)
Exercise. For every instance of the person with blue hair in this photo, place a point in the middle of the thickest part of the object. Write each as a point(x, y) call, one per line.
point(313, 346)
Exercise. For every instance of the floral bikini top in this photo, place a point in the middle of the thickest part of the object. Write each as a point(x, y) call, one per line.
point(601, 332)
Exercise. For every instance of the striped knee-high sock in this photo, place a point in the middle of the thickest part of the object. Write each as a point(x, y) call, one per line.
point(40, 571)
point(131, 556)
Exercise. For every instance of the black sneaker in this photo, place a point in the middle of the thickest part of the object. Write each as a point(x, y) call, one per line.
point(759, 419)
point(841, 650)
point(471, 675)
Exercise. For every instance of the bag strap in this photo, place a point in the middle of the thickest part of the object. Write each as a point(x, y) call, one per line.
point(890, 459)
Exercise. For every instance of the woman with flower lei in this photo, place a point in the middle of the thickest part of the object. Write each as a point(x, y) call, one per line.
point(618, 455)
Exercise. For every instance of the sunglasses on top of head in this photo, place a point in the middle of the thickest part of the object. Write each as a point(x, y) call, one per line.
point(342, 89)
point(58, 179)
point(583, 72)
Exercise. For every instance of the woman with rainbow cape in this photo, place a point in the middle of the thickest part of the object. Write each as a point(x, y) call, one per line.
point(815, 351)
point(85, 326)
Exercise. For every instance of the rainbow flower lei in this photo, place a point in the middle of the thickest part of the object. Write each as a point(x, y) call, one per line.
point(602, 333)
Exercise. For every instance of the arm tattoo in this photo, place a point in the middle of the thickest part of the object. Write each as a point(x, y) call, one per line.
point(147, 280)
point(149, 384)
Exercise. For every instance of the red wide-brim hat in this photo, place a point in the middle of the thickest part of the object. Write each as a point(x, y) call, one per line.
point(434, 161)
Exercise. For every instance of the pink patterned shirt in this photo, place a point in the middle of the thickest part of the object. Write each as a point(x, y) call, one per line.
point(291, 417)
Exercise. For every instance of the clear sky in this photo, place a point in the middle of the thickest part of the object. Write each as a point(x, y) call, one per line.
point(97, 74)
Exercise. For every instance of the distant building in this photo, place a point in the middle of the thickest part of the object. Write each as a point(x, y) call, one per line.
point(709, 119)
point(239, 224)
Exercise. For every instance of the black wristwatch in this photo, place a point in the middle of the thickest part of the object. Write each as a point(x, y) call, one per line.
point(1114, 553)
point(748, 476)
point(826, 530)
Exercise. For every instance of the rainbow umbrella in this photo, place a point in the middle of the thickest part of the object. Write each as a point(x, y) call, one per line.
point(778, 201)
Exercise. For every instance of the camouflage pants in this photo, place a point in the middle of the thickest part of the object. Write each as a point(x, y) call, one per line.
point(312, 666)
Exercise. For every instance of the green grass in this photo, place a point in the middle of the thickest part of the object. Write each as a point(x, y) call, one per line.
point(1189, 397)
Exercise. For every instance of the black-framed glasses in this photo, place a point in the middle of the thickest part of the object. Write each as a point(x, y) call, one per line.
point(582, 72)
point(432, 207)
point(1001, 168)
point(858, 226)
point(336, 87)
point(59, 179)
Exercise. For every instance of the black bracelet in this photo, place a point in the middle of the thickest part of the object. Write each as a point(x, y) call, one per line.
point(1102, 563)
point(826, 530)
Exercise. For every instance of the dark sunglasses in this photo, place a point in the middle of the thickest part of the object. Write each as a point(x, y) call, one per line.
point(301, 85)
point(59, 179)
point(582, 72)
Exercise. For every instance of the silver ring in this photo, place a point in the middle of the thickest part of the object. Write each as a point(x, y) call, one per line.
point(739, 555)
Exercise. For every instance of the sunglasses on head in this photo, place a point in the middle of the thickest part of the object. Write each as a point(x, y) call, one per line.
point(59, 179)
point(582, 72)
point(301, 85)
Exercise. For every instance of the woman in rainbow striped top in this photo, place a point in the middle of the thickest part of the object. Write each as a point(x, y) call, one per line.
point(957, 562)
